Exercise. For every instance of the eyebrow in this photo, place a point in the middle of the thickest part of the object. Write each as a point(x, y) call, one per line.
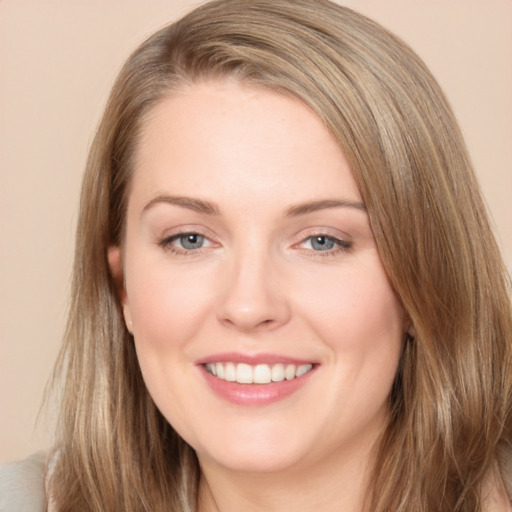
point(313, 206)
point(209, 208)
point(191, 203)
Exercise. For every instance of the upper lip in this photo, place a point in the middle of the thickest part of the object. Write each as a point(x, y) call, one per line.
point(252, 359)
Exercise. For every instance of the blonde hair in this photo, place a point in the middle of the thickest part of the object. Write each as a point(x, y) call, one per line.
point(450, 423)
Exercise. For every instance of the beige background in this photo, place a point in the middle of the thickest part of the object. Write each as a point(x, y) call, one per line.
point(57, 62)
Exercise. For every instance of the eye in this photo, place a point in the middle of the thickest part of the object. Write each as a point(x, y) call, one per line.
point(321, 243)
point(190, 241)
point(325, 243)
point(185, 242)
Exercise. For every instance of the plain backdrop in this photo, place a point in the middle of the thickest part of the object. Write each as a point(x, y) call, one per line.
point(58, 60)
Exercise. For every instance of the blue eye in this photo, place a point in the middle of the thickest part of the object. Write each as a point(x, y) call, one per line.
point(183, 243)
point(191, 241)
point(326, 244)
point(322, 243)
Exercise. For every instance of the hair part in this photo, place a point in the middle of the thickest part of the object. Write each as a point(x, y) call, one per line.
point(450, 420)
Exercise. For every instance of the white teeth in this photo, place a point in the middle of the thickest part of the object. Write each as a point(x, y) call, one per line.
point(277, 373)
point(261, 374)
point(230, 372)
point(220, 370)
point(258, 374)
point(211, 368)
point(289, 373)
point(303, 369)
point(244, 373)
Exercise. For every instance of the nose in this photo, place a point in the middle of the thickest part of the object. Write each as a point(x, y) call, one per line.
point(253, 296)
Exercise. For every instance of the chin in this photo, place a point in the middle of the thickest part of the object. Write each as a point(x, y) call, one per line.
point(264, 448)
point(256, 460)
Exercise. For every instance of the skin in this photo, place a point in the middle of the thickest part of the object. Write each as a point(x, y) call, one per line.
point(259, 285)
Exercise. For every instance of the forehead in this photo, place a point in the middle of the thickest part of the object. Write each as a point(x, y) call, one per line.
point(234, 140)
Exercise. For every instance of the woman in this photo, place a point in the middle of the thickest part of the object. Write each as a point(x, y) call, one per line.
point(286, 292)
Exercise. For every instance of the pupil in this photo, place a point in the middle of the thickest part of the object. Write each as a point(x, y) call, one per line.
point(192, 241)
point(322, 243)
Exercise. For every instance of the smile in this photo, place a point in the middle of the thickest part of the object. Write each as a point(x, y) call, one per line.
point(243, 373)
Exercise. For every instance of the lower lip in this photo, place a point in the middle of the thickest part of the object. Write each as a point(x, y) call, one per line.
point(254, 394)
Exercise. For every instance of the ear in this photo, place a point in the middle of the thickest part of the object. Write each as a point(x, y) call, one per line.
point(411, 331)
point(116, 270)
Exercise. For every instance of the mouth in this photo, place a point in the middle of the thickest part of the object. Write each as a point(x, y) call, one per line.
point(243, 373)
point(255, 380)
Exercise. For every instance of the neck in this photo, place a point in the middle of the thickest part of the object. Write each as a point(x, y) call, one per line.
point(335, 483)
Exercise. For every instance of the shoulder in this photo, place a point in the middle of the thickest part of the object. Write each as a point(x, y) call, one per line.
point(22, 487)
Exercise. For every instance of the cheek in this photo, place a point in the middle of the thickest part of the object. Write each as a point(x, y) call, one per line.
point(358, 309)
point(362, 323)
point(167, 311)
point(166, 305)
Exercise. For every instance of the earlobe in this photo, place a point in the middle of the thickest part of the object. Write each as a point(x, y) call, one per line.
point(116, 269)
point(128, 317)
point(409, 330)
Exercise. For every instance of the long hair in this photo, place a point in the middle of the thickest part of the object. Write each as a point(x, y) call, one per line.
point(450, 423)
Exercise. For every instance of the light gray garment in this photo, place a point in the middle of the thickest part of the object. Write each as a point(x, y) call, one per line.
point(22, 485)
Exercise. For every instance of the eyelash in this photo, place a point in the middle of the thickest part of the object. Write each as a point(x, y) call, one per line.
point(340, 245)
point(166, 243)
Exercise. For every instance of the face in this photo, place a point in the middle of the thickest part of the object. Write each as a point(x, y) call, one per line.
point(266, 329)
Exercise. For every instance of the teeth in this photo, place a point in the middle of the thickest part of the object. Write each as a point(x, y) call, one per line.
point(258, 374)
point(302, 369)
point(243, 373)
point(220, 370)
point(277, 373)
point(262, 374)
point(289, 373)
point(230, 372)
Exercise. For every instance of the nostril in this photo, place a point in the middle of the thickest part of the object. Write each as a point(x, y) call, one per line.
point(249, 300)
